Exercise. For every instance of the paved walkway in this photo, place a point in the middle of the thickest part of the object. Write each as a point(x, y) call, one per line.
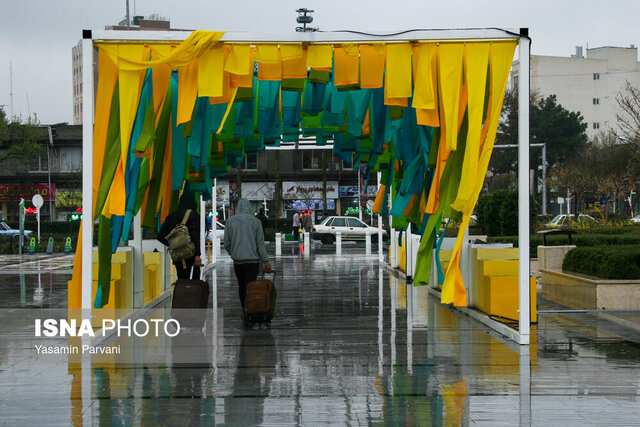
point(350, 345)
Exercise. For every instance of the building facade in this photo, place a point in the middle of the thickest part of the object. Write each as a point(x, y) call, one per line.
point(588, 84)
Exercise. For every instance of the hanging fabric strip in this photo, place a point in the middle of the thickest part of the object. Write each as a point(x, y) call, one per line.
point(372, 59)
point(210, 72)
point(450, 57)
point(398, 70)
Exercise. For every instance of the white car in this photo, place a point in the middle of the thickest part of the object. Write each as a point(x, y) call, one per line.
point(635, 219)
point(350, 227)
point(566, 220)
point(5, 230)
point(219, 232)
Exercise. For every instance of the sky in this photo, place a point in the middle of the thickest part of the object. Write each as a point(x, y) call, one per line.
point(36, 36)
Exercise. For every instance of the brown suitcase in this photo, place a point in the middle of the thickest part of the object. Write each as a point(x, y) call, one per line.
point(260, 302)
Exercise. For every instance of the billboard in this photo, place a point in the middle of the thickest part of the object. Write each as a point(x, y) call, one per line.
point(13, 192)
point(258, 190)
point(308, 190)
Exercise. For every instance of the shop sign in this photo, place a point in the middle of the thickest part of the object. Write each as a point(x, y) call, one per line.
point(308, 190)
point(14, 192)
point(258, 190)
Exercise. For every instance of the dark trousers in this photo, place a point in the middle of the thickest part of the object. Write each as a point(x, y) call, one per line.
point(185, 273)
point(245, 273)
point(296, 233)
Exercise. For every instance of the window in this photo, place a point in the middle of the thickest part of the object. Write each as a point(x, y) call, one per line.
point(356, 223)
point(596, 125)
point(596, 76)
point(596, 101)
point(70, 159)
point(311, 159)
point(251, 161)
point(38, 164)
point(338, 222)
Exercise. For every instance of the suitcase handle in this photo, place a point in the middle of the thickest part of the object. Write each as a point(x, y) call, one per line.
point(272, 274)
point(191, 274)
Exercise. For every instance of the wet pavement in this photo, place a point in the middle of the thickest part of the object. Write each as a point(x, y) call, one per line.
point(350, 344)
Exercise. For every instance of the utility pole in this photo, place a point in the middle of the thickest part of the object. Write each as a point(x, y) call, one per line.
point(11, 90)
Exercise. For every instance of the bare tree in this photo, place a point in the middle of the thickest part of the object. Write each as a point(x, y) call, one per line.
point(629, 116)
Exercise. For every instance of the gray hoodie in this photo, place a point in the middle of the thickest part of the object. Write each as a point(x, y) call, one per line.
point(243, 236)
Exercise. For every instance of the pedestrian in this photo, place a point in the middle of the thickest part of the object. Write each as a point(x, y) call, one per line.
point(263, 219)
point(244, 241)
point(296, 226)
point(307, 223)
point(187, 213)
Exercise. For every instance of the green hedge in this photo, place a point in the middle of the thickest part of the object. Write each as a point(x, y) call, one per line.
point(498, 213)
point(70, 228)
point(606, 262)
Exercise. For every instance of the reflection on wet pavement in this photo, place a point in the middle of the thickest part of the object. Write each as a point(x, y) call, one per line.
point(350, 345)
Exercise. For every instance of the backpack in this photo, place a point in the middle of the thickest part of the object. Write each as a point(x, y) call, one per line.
point(180, 245)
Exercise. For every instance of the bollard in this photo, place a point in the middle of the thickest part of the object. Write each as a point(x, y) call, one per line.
point(307, 244)
point(67, 246)
point(50, 246)
point(338, 243)
point(367, 243)
point(32, 245)
point(278, 244)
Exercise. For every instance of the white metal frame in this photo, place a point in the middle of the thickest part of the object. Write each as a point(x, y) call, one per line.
point(315, 37)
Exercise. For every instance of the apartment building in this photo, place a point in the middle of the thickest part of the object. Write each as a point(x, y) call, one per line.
point(588, 84)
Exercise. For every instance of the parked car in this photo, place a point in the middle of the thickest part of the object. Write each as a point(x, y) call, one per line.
point(219, 232)
point(5, 230)
point(565, 220)
point(350, 227)
point(635, 219)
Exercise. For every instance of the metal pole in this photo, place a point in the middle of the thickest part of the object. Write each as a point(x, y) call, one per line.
point(49, 171)
point(359, 194)
point(214, 220)
point(380, 255)
point(523, 186)
point(203, 232)
point(544, 179)
point(87, 173)
point(128, 20)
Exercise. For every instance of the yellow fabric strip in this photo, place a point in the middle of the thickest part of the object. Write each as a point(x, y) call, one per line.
point(226, 91)
point(501, 57)
point(165, 182)
point(372, 59)
point(130, 85)
point(246, 80)
point(108, 76)
point(74, 292)
point(295, 68)
point(433, 200)
point(185, 53)
point(320, 56)
point(270, 72)
point(210, 70)
point(397, 81)
point(161, 76)
point(377, 203)
point(424, 95)
point(238, 61)
point(117, 194)
point(450, 58)
point(476, 62)
point(232, 96)
point(187, 91)
point(291, 52)
point(267, 53)
point(345, 66)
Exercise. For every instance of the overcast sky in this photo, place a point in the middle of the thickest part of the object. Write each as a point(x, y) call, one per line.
point(36, 36)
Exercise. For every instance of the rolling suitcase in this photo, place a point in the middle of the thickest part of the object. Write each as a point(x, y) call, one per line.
point(190, 301)
point(260, 301)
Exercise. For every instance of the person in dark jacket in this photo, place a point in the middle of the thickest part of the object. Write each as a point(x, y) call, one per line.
point(244, 241)
point(263, 219)
point(187, 201)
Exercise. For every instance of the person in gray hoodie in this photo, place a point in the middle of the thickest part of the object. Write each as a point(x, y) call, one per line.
point(244, 241)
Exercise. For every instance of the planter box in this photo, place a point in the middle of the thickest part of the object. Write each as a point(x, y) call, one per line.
point(583, 293)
